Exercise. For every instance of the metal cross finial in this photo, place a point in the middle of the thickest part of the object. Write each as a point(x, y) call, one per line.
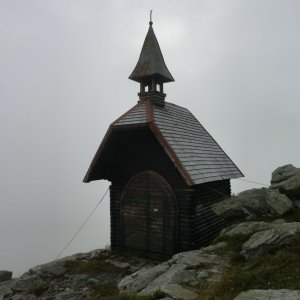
point(150, 23)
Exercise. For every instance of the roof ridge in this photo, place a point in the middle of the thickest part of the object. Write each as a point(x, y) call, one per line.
point(124, 115)
point(167, 102)
point(138, 110)
point(149, 112)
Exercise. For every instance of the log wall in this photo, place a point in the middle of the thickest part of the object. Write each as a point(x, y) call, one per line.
point(206, 224)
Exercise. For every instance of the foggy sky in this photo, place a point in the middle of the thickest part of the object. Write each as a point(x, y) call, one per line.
point(63, 79)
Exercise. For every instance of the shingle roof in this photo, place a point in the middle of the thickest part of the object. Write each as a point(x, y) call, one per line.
point(194, 152)
point(136, 115)
point(203, 159)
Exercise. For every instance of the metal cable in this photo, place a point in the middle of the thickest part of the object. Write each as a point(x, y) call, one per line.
point(252, 182)
point(81, 226)
point(222, 194)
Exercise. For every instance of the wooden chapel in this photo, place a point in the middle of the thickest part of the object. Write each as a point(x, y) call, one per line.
point(165, 169)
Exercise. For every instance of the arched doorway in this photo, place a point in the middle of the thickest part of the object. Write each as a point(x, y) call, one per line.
point(148, 214)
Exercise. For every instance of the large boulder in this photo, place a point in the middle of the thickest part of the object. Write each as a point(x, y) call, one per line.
point(290, 187)
point(283, 173)
point(50, 270)
point(266, 240)
point(254, 204)
point(269, 295)
point(181, 276)
point(5, 275)
point(29, 282)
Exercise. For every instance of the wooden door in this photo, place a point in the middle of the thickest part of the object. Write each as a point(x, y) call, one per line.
point(148, 214)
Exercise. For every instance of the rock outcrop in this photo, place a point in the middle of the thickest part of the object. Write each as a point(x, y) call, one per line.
point(290, 187)
point(5, 292)
point(269, 295)
point(74, 277)
point(266, 240)
point(248, 228)
point(5, 275)
point(283, 173)
point(254, 204)
point(286, 179)
point(181, 276)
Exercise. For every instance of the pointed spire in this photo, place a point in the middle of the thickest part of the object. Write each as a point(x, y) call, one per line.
point(151, 64)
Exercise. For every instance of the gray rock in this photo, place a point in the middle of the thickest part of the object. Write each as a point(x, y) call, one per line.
point(179, 276)
point(49, 270)
point(202, 275)
point(290, 187)
point(278, 203)
point(118, 264)
point(244, 228)
point(139, 280)
point(29, 282)
point(175, 274)
point(178, 292)
point(191, 258)
point(283, 173)
point(266, 240)
point(4, 292)
point(5, 275)
point(82, 256)
point(269, 295)
point(194, 258)
point(254, 204)
point(96, 253)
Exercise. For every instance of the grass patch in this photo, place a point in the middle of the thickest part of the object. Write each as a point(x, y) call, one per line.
point(130, 297)
point(139, 254)
point(278, 269)
point(37, 291)
point(93, 267)
point(234, 243)
point(108, 288)
point(104, 291)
